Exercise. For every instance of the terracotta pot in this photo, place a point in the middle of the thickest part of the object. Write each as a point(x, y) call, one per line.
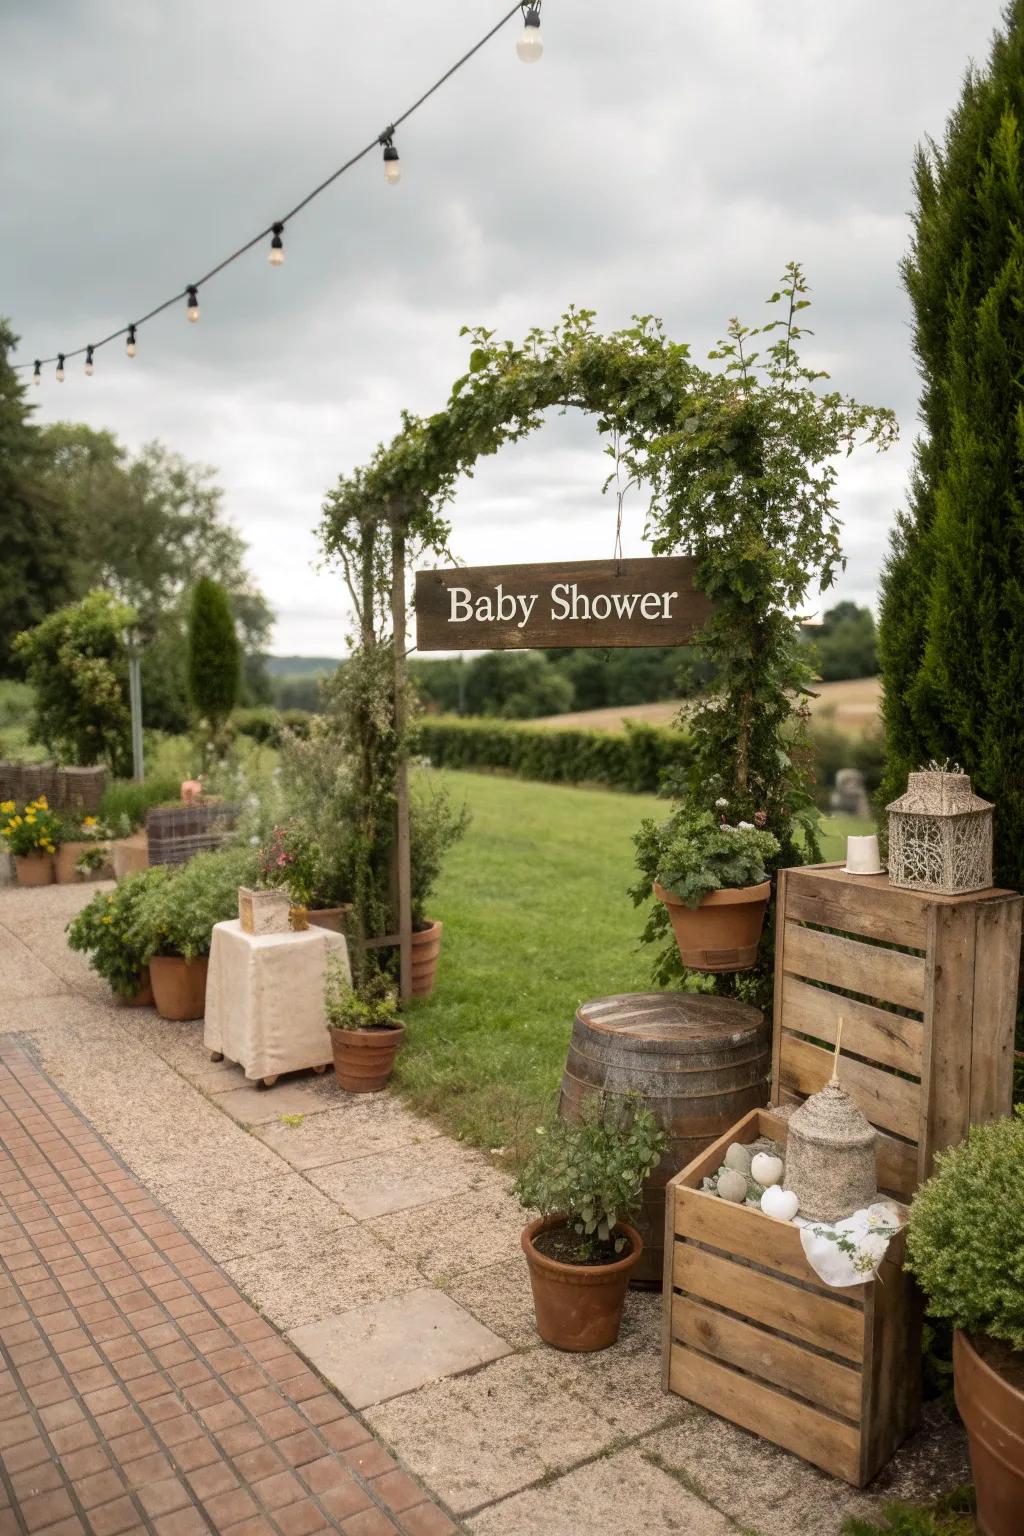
point(578, 1306)
point(723, 933)
point(364, 1059)
point(330, 917)
point(34, 868)
point(991, 1404)
point(143, 998)
point(179, 986)
point(426, 952)
point(130, 855)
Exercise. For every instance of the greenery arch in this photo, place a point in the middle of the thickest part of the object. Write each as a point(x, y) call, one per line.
point(741, 462)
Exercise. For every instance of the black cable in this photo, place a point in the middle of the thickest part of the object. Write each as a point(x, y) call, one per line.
point(271, 228)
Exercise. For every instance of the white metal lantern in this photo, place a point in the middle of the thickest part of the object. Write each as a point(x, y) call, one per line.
point(940, 835)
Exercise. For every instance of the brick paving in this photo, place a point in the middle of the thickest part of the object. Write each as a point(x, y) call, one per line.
point(139, 1391)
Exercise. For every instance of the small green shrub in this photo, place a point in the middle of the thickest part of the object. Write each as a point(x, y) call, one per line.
point(177, 916)
point(104, 930)
point(267, 725)
point(965, 1242)
point(593, 1172)
point(214, 655)
point(126, 799)
point(373, 1006)
point(693, 853)
point(635, 760)
point(952, 1515)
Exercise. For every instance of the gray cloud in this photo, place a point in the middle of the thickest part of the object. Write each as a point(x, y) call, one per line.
point(668, 157)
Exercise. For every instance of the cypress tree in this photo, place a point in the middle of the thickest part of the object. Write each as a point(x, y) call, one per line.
point(952, 627)
point(214, 654)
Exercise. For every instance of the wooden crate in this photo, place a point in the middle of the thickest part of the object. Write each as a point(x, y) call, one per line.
point(752, 1334)
point(926, 986)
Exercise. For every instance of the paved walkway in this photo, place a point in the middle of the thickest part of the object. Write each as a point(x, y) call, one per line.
point(138, 1390)
point(389, 1257)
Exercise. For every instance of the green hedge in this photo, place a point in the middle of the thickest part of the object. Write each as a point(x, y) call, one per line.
point(634, 760)
point(264, 724)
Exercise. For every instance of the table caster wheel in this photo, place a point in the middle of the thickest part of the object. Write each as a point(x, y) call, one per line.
point(216, 1055)
point(320, 1070)
point(267, 1082)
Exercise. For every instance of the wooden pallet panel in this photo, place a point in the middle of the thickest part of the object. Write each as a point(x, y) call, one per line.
point(892, 1039)
point(862, 906)
point(818, 1437)
point(890, 1102)
point(847, 964)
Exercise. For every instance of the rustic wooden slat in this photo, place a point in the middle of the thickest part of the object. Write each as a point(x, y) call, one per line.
point(815, 1318)
point(888, 1038)
point(782, 893)
point(711, 1159)
point(897, 1166)
point(891, 1380)
point(886, 974)
point(630, 623)
point(768, 1356)
point(818, 1438)
point(995, 1008)
point(946, 1103)
point(863, 904)
point(891, 1102)
point(742, 1231)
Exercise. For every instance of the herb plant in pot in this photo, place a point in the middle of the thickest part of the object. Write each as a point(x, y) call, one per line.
point(174, 925)
point(965, 1245)
point(32, 836)
point(83, 853)
point(104, 931)
point(586, 1179)
point(363, 1024)
point(713, 879)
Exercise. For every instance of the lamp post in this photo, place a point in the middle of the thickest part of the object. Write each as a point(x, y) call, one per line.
point(133, 645)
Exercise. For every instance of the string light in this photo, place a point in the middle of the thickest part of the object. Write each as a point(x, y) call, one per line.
point(530, 46)
point(37, 372)
point(530, 42)
point(89, 365)
point(392, 165)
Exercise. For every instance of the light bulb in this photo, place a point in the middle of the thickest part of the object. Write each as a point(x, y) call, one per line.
point(129, 345)
point(89, 370)
point(276, 257)
point(193, 305)
point(60, 367)
point(37, 374)
point(392, 165)
point(530, 46)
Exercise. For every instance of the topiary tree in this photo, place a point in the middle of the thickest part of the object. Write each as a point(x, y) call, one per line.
point(77, 665)
point(214, 657)
point(952, 626)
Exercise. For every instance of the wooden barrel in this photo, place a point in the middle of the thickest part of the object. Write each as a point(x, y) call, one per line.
point(698, 1062)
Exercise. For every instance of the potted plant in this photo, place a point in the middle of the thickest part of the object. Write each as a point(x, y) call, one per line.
point(713, 879)
point(83, 851)
point(363, 1024)
point(435, 826)
point(965, 1245)
point(586, 1179)
point(104, 930)
point(32, 836)
point(291, 861)
point(174, 924)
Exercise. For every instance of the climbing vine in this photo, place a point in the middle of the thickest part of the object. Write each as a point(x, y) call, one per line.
point(740, 460)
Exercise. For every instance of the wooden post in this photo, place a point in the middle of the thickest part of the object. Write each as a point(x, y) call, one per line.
point(403, 867)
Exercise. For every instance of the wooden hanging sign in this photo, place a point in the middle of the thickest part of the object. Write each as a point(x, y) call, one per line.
point(593, 603)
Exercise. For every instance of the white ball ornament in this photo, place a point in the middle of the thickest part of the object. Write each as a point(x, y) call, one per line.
point(780, 1203)
point(732, 1186)
point(766, 1169)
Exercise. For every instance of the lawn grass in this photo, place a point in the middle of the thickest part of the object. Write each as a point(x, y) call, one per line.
point(537, 920)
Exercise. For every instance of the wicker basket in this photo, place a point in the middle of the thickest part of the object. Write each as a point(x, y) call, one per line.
point(177, 833)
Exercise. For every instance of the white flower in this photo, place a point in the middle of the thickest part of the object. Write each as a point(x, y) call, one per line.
point(721, 803)
point(744, 826)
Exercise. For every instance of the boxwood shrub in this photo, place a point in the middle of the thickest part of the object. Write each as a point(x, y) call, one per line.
point(635, 760)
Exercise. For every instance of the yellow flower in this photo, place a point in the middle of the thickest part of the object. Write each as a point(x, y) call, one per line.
point(43, 803)
point(108, 919)
point(88, 821)
point(7, 807)
point(30, 817)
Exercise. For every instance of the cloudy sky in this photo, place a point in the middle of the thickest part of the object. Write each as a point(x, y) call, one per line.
point(666, 156)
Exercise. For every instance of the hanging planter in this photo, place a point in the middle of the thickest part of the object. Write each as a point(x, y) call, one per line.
point(723, 931)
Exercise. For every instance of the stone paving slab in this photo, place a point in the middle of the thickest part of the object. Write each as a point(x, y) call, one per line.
point(366, 1126)
point(389, 1347)
point(394, 1181)
point(139, 1392)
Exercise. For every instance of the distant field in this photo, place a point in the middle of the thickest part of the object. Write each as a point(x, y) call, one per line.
point(854, 706)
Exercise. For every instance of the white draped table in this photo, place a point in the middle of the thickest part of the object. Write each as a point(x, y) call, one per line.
point(265, 999)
